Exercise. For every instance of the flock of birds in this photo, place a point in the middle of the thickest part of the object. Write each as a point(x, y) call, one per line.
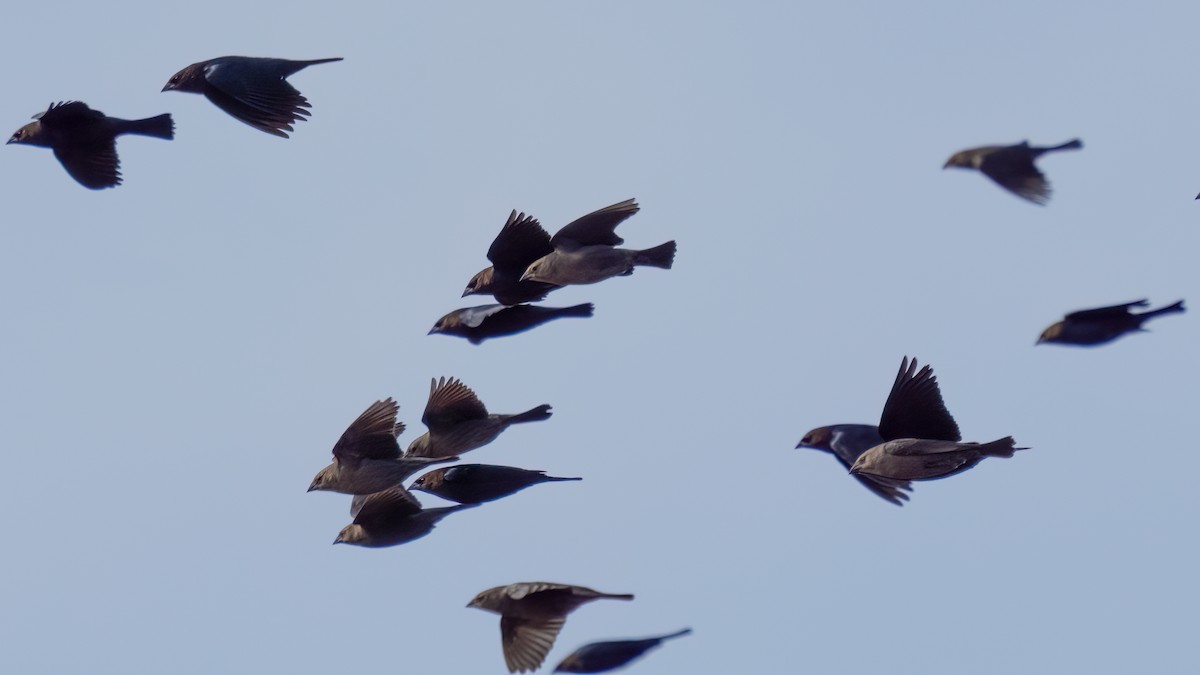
point(916, 438)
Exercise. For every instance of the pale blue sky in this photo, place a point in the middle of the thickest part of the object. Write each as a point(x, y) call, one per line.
point(181, 352)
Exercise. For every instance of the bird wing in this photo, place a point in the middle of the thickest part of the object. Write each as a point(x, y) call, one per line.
point(373, 434)
point(914, 408)
point(68, 113)
point(1107, 312)
point(451, 402)
point(848, 444)
point(526, 642)
point(521, 241)
point(1015, 171)
point(94, 164)
point(473, 317)
point(597, 228)
point(524, 589)
point(383, 507)
point(256, 95)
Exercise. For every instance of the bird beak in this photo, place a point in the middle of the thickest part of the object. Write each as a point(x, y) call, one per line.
point(311, 488)
point(432, 330)
point(466, 292)
point(526, 276)
point(168, 87)
point(947, 165)
point(10, 141)
point(337, 541)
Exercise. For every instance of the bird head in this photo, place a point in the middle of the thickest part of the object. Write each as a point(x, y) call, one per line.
point(1050, 334)
point(535, 270)
point(480, 283)
point(28, 134)
point(818, 438)
point(189, 79)
point(350, 534)
point(429, 482)
point(866, 463)
point(324, 478)
point(962, 160)
point(485, 600)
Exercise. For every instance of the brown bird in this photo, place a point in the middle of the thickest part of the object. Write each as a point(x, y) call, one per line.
point(478, 483)
point(520, 242)
point(601, 657)
point(477, 324)
point(459, 422)
point(390, 518)
point(585, 250)
point(913, 392)
point(253, 90)
point(531, 615)
point(367, 459)
point(918, 459)
point(1090, 327)
point(85, 140)
point(1011, 166)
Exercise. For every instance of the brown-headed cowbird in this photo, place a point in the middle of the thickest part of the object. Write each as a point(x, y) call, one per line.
point(1011, 166)
point(1090, 327)
point(601, 657)
point(477, 324)
point(585, 250)
point(520, 242)
point(390, 518)
point(85, 140)
point(912, 391)
point(918, 459)
point(478, 483)
point(531, 615)
point(459, 422)
point(367, 459)
point(253, 90)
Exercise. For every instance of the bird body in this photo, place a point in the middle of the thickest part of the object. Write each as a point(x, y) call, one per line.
point(593, 264)
point(1091, 327)
point(521, 241)
point(846, 442)
point(920, 459)
point(458, 421)
point(601, 657)
point(478, 483)
point(390, 518)
point(1011, 166)
point(477, 324)
point(253, 90)
point(84, 140)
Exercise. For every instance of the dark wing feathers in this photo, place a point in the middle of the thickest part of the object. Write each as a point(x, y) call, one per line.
point(521, 241)
point(597, 228)
point(372, 435)
point(1107, 312)
point(451, 402)
point(914, 408)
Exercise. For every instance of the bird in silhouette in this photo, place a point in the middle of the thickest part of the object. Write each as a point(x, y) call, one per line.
point(1012, 167)
point(1091, 327)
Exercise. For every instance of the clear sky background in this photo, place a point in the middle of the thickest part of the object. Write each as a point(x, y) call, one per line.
point(181, 352)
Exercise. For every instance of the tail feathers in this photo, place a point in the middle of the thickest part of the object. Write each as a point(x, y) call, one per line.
point(1005, 447)
point(158, 127)
point(1074, 144)
point(685, 631)
point(662, 256)
point(617, 596)
point(542, 412)
point(554, 479)
point(585, 310)
point(1169, 309)
point(314, 62)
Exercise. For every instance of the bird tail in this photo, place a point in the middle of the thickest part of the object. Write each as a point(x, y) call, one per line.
point(314, 62)
point(1005, 447)
point(662, 256)
point(585, 310)
point(617, 596)
point(1074, 144)
point(552, 479)
point(159, 127)
point(542, 412)
point(685, 631)
point(1169, 309)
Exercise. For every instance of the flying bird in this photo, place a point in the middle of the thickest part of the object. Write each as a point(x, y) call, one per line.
point(458, 421)
point(253, 90)
point(477, 324)
point(521, 241)
point(601, 657)
point(85, 140)
point(585, 250)
point(531, 615)
point(1091, 327)
point(1012, 167)
point(367, 459)
point(390, 518)
point(913, 392)
point(478, 483)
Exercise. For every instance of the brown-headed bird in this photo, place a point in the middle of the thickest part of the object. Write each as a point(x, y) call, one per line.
point(1091, 327)
point(390, 518)
point(253, 90)
point(921, 439)
point(478, 483)
point(601, 657)
point(585, 250)
point(912, 391)
point(531, 615)
point(1012, 167)
point(477, 324)
point(85, 140)
point(367, 458)
point(459, 422)
point(520, 242)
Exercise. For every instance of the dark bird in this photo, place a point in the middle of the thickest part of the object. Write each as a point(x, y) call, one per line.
point(85, 140)
point(478, 483)
point(912, 393)
point(585, 250)
point(1090, 327)
point(601, 657)
point(531, 615)
point(477, 324)
point(521, 241)
point(458, 421)
point(1011, 166)
point(254, 90)
point(367, 459)
point(390, 518)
